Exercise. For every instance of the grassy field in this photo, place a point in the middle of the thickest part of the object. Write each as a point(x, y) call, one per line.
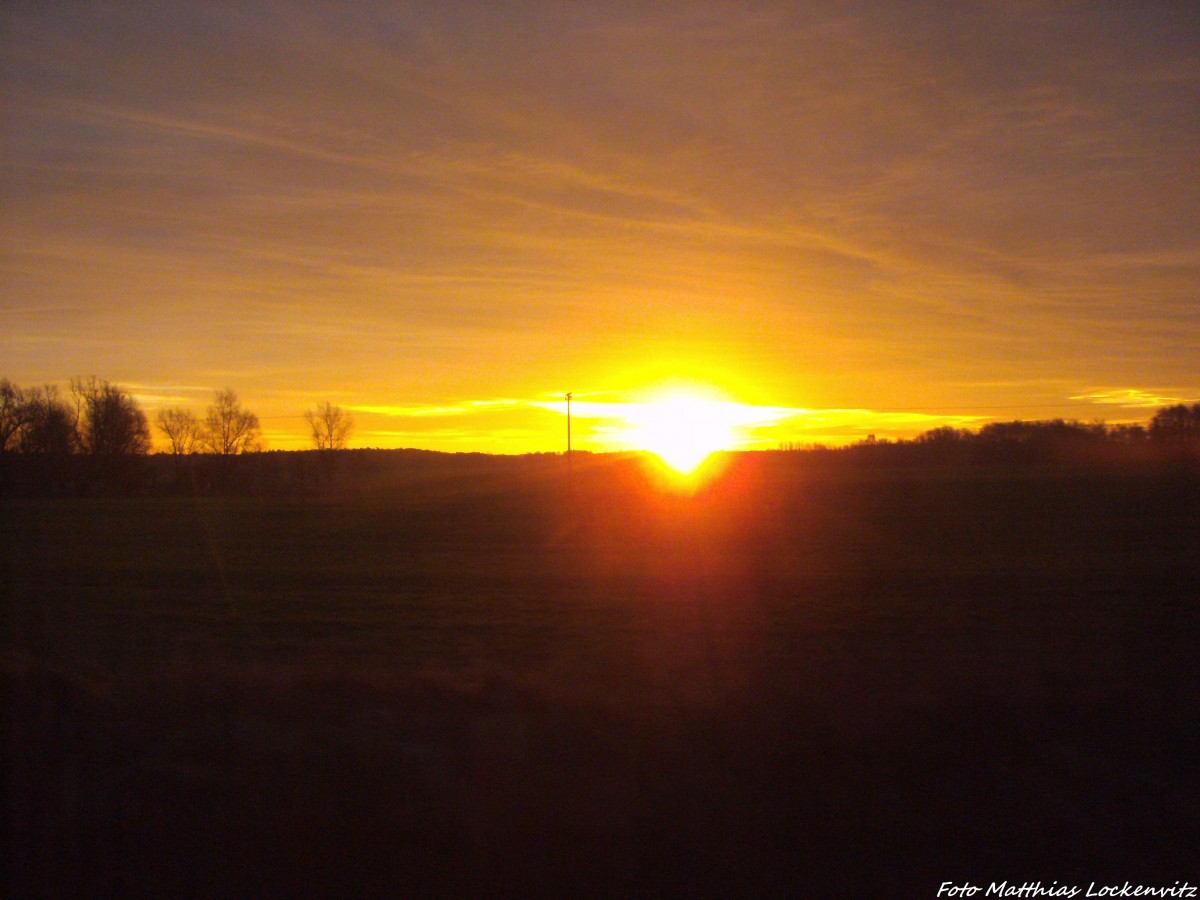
point(797, 681)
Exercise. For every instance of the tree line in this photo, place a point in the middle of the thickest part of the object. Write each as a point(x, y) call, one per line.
point(101, 420)
point(93, 435)
point(1172, 432)
point(94, 432)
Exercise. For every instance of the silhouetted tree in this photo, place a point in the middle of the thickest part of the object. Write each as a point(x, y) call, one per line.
point(49, 429)
point(944, 435)
point(228, 429)
point(181, 428)
point(945, 444)
point(1177, 425)
point(110, 423)
point(331, 426)
point(1127, 434)
point(15, 414)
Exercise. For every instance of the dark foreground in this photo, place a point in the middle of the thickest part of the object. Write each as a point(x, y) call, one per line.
point(795, 683)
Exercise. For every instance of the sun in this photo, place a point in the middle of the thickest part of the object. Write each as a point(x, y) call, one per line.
point(682, 428)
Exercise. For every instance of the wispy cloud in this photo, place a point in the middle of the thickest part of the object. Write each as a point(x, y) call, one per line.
point(1133, 398)
point(157, 396)
point(614, 424)
point(863, 206)
point(465, 407)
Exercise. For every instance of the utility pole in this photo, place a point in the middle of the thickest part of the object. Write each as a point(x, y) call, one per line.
point(568, 429)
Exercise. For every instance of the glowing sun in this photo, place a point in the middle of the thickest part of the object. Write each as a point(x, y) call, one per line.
point(683, 429)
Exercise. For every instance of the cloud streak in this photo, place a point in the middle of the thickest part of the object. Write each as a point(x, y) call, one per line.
point(869, 206)
point(1133, 398)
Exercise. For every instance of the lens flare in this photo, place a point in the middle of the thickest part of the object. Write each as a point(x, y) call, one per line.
point(683, 429)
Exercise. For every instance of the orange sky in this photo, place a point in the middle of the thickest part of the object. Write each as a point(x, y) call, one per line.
point(864, 217)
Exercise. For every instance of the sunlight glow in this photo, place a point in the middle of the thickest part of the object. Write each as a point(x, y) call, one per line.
point(684, 428)
point(682, 423)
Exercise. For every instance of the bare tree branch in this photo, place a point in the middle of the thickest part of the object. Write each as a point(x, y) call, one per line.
point(331, 426)
point(181, 428)
point(109, 421)
point(229, 429)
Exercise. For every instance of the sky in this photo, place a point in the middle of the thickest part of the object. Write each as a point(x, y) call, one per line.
point(853, 217)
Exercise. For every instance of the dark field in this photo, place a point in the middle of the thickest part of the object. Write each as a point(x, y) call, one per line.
point(798, 682)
